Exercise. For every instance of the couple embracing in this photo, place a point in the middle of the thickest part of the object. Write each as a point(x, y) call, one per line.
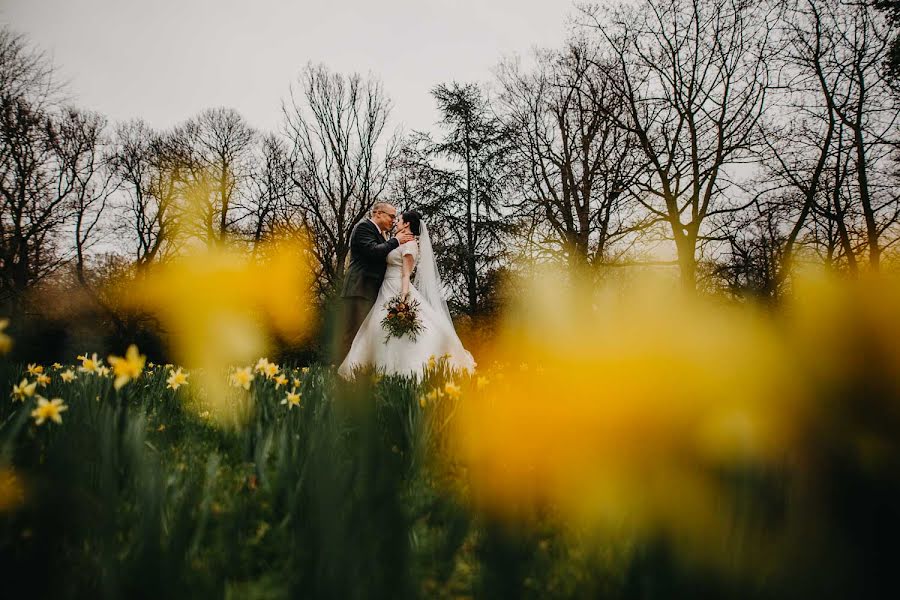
point(381, 268)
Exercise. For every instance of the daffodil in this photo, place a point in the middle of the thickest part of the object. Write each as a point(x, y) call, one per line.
point(242, 377)
point(482, 382)
point(102, 370)
point(452, 390)
point(280, 380)
point(432, 362)
point(23, 390)
point(42, 380)
point(34, 369)
point(261, 365)
point(292, 399)
point(67, 376)
point(295, 382)
point(127, 368)
point(89, 364)
point(48, 409)
point(304, 370)
point(177, 378)
point(271, 370)
point(56, 366)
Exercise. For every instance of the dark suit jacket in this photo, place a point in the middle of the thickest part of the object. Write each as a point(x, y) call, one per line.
point(368, 256)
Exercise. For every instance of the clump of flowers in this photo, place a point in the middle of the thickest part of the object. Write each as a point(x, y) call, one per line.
point(402, 318)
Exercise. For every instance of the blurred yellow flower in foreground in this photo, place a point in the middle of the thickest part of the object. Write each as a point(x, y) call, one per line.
point(48, 409)
point(128, 367)
point(23, 389)
point(643, 396)
point(222, 306)
point(12, 490)
point(34, 369)
point(177, 378)
point(5, 340)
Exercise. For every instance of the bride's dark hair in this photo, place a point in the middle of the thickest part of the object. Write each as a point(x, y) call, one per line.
point(414, 218)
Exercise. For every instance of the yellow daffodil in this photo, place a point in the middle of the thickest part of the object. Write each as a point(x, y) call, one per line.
point(295, 382)
point(432, 362)
point(242, 377)
point(304, 370)
point(271, 370)
point(48, 409)
point(102, 370)
point(452, 390)
point(56, 366)
point(127, 368)
point(280, 380)
point(23, 390)
point(177, 378)
point(292, 399)
point(34, 369)
point(89, 364)
point(42, 380)
point(261, 365)
point(67, 376)
point(5, 340)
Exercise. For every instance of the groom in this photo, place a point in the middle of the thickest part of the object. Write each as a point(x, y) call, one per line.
point(369, 248)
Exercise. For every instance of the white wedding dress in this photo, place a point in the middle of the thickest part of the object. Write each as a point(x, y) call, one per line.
point(438, 336)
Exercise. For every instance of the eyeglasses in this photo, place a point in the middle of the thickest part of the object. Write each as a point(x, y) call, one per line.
point(393, 216)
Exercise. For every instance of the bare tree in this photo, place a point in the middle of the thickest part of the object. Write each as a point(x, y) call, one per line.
point(693, 75)
point(577, 163)
point(272, 191)
point(829, 144)
point(339, 159)
point(213, 160)
point(148, 178)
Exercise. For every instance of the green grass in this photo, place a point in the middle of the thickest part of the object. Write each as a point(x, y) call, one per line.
point(135, 494)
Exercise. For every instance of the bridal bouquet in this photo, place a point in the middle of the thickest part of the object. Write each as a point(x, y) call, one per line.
point(402, 318)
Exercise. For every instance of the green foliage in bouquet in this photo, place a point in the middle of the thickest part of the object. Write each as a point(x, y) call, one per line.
point(402, 318)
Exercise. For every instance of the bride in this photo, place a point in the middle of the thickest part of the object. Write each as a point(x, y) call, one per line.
point(437, 338)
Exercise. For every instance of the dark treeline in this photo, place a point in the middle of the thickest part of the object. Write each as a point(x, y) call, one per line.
point(730, 141)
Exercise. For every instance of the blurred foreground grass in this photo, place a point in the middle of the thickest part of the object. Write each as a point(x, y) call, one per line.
point(633, 444)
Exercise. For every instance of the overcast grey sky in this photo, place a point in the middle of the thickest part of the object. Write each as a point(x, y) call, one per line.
point(165, 60)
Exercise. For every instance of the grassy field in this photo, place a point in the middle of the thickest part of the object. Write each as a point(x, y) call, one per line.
point(139, 493)
point(633, 458)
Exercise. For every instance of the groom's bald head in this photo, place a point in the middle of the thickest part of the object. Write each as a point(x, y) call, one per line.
point(384, 213)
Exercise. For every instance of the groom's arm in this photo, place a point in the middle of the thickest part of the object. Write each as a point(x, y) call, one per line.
point(370, 245)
